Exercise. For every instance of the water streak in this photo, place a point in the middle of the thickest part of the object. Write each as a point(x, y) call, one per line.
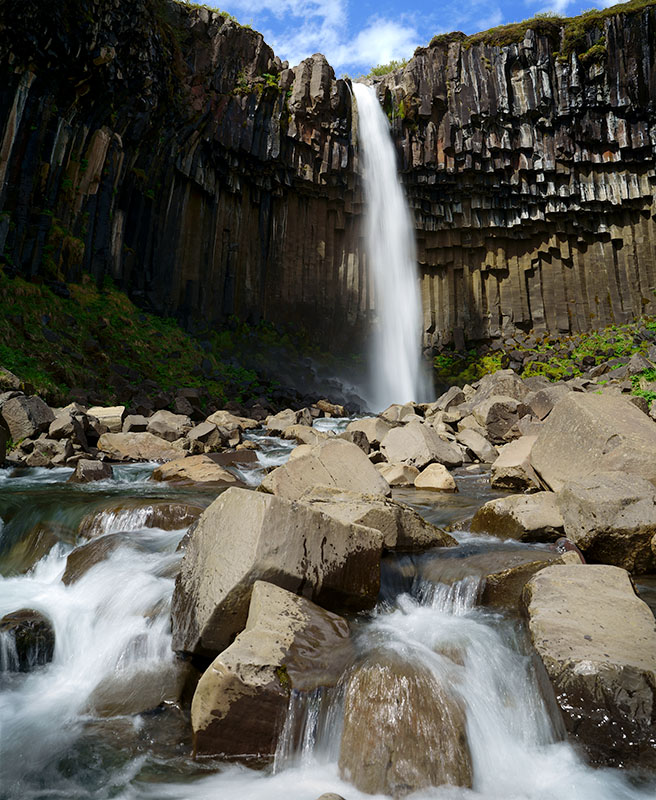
point(397, 375)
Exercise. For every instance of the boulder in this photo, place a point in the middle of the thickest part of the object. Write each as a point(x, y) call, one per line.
point(498, 414)
point(330, 463)
point(330, 409)
point(169, 426)
point(29, 640)
point(512, 469)
point(111, 417)
point(87, 555)
point(526, 517)
point(193, 470)
point(49, 453)
point(224, 419)
point(588, 433)
point(401, 526)
point(478, 445)
point(135, 423)
point(436, 477)
point(304, 434)
point(398, 474)
point(136, 447)
point(504, 382)
point(207, 434)
point(265, 537)
point(498, 576)
point(419, 445)
point(403, 730)
point(130, 515)
point(374, 428)
point(397, 413)
point(597, 641)
point(454, 396)
point(288, 644)
point(611, 518)
point(26, 417)
point(358, 438)
point(87, 471)
point(276, 423)
point(68, 426)
point(542, 402)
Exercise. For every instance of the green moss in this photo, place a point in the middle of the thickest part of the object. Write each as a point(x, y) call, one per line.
point(283, 677)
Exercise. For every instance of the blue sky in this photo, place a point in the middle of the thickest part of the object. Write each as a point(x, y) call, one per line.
point(355, 36)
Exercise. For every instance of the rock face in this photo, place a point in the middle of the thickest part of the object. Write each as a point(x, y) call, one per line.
point(334, 462)
point(403, 731)
point(263, 537)
point(288, 644)
point(588, 433)
point(611, 518)
point(597, 640)
point(270, 168)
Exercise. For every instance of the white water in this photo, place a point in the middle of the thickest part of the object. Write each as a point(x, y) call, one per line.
point(396, 366)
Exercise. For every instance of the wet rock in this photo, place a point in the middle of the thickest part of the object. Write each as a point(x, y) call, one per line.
point(403, 730)
point(83, 558)
point(169, 426)
point(22, 555)
point(374, 428)
point(436, 477)
point(130, 515)
point(419, 445)
point(111, 417)
point(597, 641)
point(288, 644)
point(398, 474)
point(87, 471)
point(330, 463)
point(195, 470)
point(513, 469)
point(527, 517)
point(137, 447)
point(266, 537)
point(26, 417)
point(330, 409)
point(611, 518)
point(401, 526)
point(27, 640)
point(588, 433)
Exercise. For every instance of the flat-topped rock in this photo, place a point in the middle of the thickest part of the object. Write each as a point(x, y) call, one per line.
point(110, 416)
point(137, 447)
point(195, 469)
point(527, 517)
point(168, 425)
point(597, 641)
point(374, 428)
point(25, 417)
point(246, 536)
point(418, 445)
point(512, 469)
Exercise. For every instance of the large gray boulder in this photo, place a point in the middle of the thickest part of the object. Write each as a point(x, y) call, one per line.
point(542, 402)
point(87, 471)
point(137, 447)
point(502, 382)
point(26, 417)
point(288, 644)
point(403, 730)
point(49, 453)
point(401, 526)
point(478, 445)
point(611, 517)
point(419, 445)
point(67, 425)
point(597, 641)
point(498, 414)
point(588, 433)
point(334, 462)
point(512, 468)
point(168, 425)
point(195, 470)
point(109, 416)
point(374, 428)
point(527, 517)
point(246, 536)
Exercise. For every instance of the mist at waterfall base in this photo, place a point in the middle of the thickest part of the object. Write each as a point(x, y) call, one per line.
point(397, 373)
point(112, 635)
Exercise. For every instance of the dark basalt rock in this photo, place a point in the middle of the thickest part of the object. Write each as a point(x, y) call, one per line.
point(29, 640)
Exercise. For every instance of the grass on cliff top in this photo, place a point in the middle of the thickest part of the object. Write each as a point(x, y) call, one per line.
point(94, 336)
point(574, 28)
point(556, 358)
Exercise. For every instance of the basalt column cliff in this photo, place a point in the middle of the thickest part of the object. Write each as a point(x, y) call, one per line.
point(168, 147)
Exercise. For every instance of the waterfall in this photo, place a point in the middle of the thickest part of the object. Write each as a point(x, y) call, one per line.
point(396, 367)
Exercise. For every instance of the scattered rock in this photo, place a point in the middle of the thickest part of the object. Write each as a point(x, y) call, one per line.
point(111, 417)
point(195, 469)
point(330, 463)
point(597, 641)
point(207, 434)
point(8, 380)
point(136, 447)
point(512, 469)
point(29, 640)
point(135, 423)
point(87, 471)
point(397, 413)
point(436, 477)
point(224, 419)
point(304, 434)
point(527, 517)
point(419, 445)
point(277, 423)
point(498, 414)
point(398, 474)
point(611, 518)
point(49, 453)
point(478, 445)
point(403, 731)
point(169, 426)
point(374, 428)
point(26, 417)
point(267, 537)
point(288, 644)
point(68, 426)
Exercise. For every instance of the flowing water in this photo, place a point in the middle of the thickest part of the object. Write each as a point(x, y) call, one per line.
point(73, 728)
point(396, 364)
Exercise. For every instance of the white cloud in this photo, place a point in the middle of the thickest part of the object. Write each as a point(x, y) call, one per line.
point(379, 43)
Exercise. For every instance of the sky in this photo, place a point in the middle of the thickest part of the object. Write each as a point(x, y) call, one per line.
point(355, 36)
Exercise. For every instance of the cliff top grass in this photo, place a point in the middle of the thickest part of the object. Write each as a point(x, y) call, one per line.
point(574, 28)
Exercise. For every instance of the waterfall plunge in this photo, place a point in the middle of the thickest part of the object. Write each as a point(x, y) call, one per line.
point(396, 367)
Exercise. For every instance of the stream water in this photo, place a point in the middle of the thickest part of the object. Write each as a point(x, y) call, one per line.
point(66, 732)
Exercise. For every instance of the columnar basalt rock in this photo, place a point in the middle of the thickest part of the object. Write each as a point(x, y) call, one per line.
point(168, 147)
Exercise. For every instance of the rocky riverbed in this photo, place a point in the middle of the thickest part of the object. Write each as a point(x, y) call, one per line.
point(374, 605)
